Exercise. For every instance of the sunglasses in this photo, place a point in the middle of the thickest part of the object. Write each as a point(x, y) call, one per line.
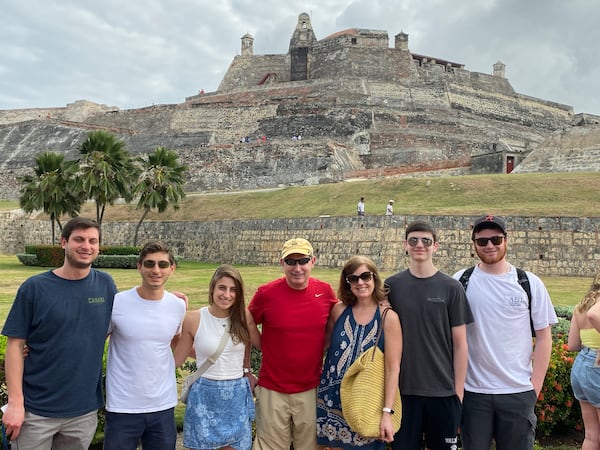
point(365, 276)
point(149, 264)
point(482, 242)
point(301, 261)
point(413, 241)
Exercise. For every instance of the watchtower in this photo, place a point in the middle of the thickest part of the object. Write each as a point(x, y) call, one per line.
point(300, 44)
point(247, 45)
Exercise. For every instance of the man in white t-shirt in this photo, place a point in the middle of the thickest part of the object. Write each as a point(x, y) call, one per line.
point(389, 210)
point(141, 391)
point(502, 383)
point(360, 207)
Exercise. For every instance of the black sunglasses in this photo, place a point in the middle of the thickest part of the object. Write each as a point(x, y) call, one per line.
point(482, 242)
point(149, 264)
point(301, 261)
point(365, 276)
point(413, 241)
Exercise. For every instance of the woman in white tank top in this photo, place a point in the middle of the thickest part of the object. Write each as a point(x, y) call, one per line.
point(220, 407)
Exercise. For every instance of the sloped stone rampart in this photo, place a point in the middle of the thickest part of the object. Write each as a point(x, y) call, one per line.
point(565, 246)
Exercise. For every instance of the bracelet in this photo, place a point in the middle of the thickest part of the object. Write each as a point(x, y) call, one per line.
point(247, 370)
point(388, 410)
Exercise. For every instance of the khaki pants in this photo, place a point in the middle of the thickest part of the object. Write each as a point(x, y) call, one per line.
point(50, 433)
point(285, 418)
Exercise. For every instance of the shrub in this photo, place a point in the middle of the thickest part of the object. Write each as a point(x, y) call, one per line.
point(113, 257)
point(27, 259)
point(557, 409)
point(116, 261)
point(49, 255)
point(119, 250)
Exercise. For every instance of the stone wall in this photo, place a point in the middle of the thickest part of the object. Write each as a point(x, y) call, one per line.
point(563, 246)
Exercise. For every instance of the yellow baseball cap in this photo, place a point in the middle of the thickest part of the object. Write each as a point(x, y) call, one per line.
point(296, 245)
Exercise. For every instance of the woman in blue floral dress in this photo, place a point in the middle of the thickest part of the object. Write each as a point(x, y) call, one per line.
point(352, 329)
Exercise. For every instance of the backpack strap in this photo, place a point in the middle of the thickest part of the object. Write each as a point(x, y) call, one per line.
point(522, 279)
point(464, 278)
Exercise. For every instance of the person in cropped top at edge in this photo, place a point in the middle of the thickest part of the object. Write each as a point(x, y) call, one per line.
point(584, 336)
point(293, 311)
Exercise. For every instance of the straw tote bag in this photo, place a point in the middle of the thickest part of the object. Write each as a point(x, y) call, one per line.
point(362, 391)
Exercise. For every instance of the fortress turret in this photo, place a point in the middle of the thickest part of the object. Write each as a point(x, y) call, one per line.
point(247, 45)
point(401, 41)
point(300, 44)
point(499, 69)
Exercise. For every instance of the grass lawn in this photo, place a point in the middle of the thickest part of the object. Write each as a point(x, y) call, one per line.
point(193, 278)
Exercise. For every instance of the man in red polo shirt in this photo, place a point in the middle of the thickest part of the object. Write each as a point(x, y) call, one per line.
point(293, 311)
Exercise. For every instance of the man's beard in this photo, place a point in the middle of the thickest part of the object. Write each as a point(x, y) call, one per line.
point(73, 262)
point(492, 258)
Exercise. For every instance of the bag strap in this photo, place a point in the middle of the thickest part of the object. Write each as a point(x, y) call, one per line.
point(211, 359)
point(379, 332)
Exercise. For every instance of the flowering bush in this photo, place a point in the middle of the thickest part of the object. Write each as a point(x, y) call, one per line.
point(557, 409)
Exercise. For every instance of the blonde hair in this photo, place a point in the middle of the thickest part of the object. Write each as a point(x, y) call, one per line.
point(591, 297)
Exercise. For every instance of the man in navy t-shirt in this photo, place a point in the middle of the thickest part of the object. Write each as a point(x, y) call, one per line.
point(62, 315)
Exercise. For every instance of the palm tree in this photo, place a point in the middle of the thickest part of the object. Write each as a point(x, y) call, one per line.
point(160, 183)
point(51, 189)
point(107, 171)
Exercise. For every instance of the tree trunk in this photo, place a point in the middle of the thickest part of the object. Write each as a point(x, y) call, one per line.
point(139, 224)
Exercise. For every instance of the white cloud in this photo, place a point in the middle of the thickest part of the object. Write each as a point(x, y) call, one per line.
point(135, 53)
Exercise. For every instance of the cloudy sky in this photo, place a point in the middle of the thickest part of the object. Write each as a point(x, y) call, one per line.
point(136, 53)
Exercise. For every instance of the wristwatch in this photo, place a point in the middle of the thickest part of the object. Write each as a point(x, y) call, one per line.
point(388, 410)
point(247, 370)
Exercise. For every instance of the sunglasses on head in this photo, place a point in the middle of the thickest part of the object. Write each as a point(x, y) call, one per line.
point(482, 242)
point(301, 261)
point(413, 241)
point(149, 264)
point(365, 276)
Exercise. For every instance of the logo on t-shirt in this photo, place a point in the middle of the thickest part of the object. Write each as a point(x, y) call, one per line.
point(94, 300)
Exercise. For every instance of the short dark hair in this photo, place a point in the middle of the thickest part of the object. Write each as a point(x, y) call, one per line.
point(156, 247)
point(79, 223)
point(420, 225)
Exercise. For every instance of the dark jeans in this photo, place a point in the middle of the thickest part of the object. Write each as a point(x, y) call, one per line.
point(507, 418)
point(155, 430)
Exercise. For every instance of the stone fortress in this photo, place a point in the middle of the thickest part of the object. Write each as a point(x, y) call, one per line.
point(343, 107)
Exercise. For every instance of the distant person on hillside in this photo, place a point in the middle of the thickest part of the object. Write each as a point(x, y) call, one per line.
point(293, 311)
point(360, 207)
point(584, 336)
point(62, 315)
point(389, 211)
point(502, 383)
point(141, 390)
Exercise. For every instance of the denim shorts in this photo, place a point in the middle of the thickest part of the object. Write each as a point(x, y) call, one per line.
point(585, 377)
